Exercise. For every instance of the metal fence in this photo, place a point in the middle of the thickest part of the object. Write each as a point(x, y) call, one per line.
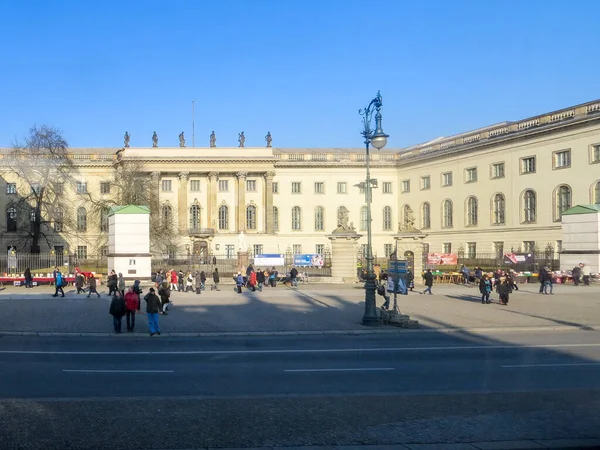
point(490, 262)
point(42, 263)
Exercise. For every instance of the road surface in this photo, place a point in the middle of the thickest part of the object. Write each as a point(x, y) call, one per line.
point(290, 390)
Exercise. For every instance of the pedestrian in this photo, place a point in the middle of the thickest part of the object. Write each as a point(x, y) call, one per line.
point(541, 278)
point(112, 283)
point(173, 280)
point(485, 287)
point(464, 270)
point(273, 277)
point(249, 270)
point(189, 281)
point(294, 277)
point(159, 278)
point(180, 280)
point(386, 289)
point(138, 291)
point(121, 284)
point(152, 310)
point(216, 280)
point(252, 281)
point(79, 282)
point(165, 295)
point(585, 274)
point(132, 304)
point(576, 272)
point(410, 279)
point(428, 277)
point(548, 281)
point(239, 282)
point(197, 284)
point(117, 310)
point(92, 287)
point(59, 282)
point(203, 280)
point(28, 279)
point(260, 279)
point(512, 280)
point(214, 260)
point(504, 292)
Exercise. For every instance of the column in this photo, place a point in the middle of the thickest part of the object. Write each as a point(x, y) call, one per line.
point(241, 202)
point(269, 202)
point(211, 201)
point(182, 203)
point(155, 194)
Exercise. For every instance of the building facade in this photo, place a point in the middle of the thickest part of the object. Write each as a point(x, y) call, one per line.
point(487, 191)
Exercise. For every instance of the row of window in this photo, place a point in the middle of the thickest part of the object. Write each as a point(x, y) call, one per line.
point(560, 160)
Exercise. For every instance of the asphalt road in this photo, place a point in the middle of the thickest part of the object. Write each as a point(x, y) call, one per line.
point(290, 390)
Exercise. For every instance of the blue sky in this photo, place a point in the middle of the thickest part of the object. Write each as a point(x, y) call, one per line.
point(300, 69)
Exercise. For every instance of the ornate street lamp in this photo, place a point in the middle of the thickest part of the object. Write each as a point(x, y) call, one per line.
point(377, 139)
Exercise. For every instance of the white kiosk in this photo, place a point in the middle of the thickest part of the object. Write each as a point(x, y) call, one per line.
point(129, 241)
point(581, 237)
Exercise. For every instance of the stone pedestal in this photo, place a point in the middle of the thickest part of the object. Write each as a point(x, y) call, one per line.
point(343, 254)
point(242, 261)
point(411, 243)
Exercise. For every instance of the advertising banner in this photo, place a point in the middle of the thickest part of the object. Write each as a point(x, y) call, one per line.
point(442, 259)
point(269, 260)
point(516, 258)
point(309, 260)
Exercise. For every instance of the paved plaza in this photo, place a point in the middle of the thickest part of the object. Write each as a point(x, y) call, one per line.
point(310, 308)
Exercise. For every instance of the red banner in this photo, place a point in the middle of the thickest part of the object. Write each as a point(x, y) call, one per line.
point(442, 259)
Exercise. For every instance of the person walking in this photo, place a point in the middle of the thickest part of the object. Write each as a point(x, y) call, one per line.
point(121, 284)
point(548, 280)
point(92, 287)
point(152, 310)
point(294, 277)
point(117, 310)
point(202, 280)
point(189, 281)
point(216, 279)
point(576, 272)
point(585, 274)
point(239, 282)
point(112, 283)
point(541, 278)
point(504, 290)
point(28, 279)
point(132, 304)
point(165, 295)
point(79, 282)
point(428, 277)
point(410, 280)
point(180, 280)
point(59, 283)
point(485, 287)
point(252, 281)
point(260, 279)
point(197, 284)
point(174, 280)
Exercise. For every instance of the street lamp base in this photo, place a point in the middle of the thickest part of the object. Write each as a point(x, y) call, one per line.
point(370, 321)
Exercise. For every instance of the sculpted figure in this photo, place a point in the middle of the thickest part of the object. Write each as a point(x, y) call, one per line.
point(181, 139)
point(241, 139)
point(155, 140)
point(213, 139)
point(269, 139)
point(126, 139)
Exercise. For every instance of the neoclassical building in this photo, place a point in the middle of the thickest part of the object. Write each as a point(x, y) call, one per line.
point(485, 191)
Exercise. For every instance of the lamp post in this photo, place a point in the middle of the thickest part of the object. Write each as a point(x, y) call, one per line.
point(377, 138)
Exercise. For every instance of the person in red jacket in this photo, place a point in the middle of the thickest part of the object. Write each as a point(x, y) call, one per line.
point(252, 281)
point(132, 304)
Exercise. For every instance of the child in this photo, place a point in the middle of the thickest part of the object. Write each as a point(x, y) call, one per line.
point(504, 291)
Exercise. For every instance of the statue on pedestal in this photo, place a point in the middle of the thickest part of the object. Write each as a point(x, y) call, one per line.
point(241, 139)
point(269, 139)
point(126, 139)
point(213, 139)
point(242, 245)
point(181, 139)
point(155, 140)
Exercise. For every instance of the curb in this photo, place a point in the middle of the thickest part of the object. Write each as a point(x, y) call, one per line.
point(356, 332)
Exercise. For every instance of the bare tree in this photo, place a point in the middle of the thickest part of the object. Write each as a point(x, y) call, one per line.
point(132, 184)
point(43, 171)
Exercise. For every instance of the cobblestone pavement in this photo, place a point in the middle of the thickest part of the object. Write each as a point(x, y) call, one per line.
point(167, 423)
point(309, 308)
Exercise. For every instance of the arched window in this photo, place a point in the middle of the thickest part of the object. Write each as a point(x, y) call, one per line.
point(296, 218)
point(596, 194)
point(58, 219)
point(223, 217)
point(251, 217)
point(363, 218)
point(11, 218)
point(472, 211)
point(167, 215)
point(319, 218)
point(387, 218)
point(275, 218)
point(498, 209)
point(426, 216)
point(529, 206)
point(195, 217)
point(447, 221)
point(81, 219)
point(104, 219)
point(562, 201)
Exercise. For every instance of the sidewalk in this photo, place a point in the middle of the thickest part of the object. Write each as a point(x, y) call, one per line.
point(309, 309)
